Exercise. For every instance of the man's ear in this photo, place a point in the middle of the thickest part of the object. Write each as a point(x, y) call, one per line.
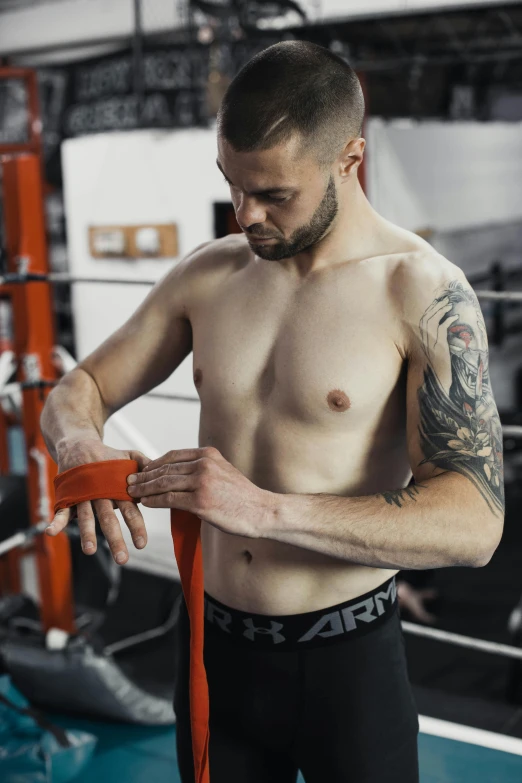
point(351, 158)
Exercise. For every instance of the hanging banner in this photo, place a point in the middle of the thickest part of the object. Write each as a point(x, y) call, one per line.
point(102, 92)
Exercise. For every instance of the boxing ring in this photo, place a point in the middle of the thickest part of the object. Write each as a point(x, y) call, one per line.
point(27, 284)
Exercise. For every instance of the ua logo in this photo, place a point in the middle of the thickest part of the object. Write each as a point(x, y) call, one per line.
point(218, 616)
point(389, 595)
point(333, 620)
point(367, 616)
point(272, 631)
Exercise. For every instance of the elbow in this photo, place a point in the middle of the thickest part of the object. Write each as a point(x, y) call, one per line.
point(488, 545)
point(482, 560)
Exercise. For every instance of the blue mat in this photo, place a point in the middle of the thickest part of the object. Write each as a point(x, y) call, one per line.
point(139, 754)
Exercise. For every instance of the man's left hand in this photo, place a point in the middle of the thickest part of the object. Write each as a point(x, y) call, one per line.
point(203, 482)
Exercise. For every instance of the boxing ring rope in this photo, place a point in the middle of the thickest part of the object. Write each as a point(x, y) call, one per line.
point(63, 278)
point(500, 296)
point(459, 640)
point(69, 363)
point(512, 430)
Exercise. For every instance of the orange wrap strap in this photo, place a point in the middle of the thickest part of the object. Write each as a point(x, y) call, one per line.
point(185, 529)
point(108, 479)
point(95, 481)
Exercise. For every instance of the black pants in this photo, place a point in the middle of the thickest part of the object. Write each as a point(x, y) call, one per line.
point(323, 692)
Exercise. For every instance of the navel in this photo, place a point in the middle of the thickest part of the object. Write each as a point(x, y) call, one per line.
point(247, 555)
point(198, 378)
point(338, 401)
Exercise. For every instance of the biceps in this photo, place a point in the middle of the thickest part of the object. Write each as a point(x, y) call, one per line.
point(453, 422)
point(139, 355)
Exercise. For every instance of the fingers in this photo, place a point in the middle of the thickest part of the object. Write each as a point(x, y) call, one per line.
point(435, 316)
point(430, 322)
point(109, 524)
point(183, 501)
point(134, 521)
point(60, 521)
point(140, 458)
point(111, 530)
point(87, 527)
point(182, 477)
point(429, 593)
point(183, 455)
point(420, 613)
point(435, 307)
point(413, 600)
point(108, 520)
point(428, 314)
point(172, 469)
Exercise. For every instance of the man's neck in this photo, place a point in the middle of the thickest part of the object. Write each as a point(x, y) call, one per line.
point(356, 233)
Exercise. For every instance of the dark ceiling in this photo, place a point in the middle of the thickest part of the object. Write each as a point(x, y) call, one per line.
point(459, 63)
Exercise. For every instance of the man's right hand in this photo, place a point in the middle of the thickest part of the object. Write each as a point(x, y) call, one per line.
point(81, 452)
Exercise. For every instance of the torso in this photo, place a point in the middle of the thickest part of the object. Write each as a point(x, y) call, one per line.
point(302, 388)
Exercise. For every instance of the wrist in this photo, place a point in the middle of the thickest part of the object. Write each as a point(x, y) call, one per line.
point(269, 506)
point(276, 513)
point(79, 440)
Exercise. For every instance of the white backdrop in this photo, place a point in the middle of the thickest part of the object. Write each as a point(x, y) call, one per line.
point(445, 175)
point(134, 178)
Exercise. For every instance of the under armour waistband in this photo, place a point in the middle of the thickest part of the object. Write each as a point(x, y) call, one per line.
point(341, 622)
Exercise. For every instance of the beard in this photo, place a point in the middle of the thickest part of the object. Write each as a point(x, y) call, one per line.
point(305, 236)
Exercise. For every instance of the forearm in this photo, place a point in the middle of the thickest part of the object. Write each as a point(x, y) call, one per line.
point(73, 411)
point(441, 522)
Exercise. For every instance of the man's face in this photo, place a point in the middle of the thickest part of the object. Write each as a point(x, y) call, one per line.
point(283, 200)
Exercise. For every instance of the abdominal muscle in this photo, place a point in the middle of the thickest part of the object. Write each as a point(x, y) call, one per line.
point(268, 577)
point(264, 576)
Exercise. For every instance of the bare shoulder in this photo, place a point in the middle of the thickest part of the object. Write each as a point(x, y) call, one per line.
point(217, 257)
point(203, 270)
point(419, 276)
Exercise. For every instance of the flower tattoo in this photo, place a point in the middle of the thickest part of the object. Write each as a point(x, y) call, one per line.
point(459, 425)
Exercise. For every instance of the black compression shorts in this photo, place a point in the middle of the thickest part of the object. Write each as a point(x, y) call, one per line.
point(325, 692)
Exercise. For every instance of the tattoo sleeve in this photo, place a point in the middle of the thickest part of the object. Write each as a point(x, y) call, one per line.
point(396, 497)
point(459, 424)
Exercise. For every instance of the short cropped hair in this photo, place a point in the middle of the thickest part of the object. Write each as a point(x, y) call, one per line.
point(293, 87)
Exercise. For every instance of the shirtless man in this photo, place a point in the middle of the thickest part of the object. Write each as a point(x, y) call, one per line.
point(335, 355)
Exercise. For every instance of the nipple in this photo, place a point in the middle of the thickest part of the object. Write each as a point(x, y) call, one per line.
point(338, 401)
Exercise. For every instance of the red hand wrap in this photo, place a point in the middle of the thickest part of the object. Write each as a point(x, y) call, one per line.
point(108, 480)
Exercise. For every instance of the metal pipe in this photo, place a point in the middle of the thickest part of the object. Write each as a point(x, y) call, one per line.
point(137, 61)
point(462, 641)
point(62, 278)
point(500, 296)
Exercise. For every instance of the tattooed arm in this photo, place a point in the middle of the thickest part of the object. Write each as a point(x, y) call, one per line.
point(453, 513)
point(453, 420)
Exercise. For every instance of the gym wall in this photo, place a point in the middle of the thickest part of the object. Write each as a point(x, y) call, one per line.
point(463, 182)
point(133, 178)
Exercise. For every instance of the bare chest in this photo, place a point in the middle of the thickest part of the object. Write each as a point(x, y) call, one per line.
point(317, 356)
